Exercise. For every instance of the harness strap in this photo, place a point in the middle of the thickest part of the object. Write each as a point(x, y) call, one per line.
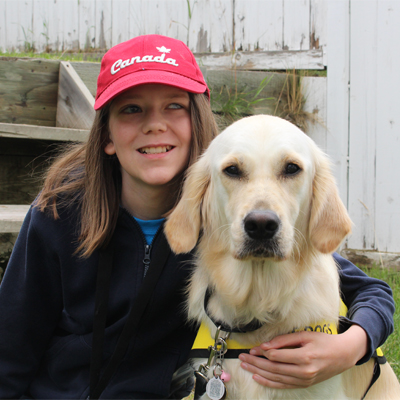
point(98, 383)
point(204, 340)
point(380, 359)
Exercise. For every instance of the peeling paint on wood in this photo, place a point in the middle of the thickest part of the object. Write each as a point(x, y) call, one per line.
point(212, 26)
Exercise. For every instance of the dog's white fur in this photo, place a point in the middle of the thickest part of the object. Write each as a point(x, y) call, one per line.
point(286, 282)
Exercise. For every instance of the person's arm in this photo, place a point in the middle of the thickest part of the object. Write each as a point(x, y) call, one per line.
point(315, 356)
point(30, 306)
point(370, 305)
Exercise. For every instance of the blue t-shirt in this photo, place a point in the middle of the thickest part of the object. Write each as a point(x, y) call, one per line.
point(149, 227)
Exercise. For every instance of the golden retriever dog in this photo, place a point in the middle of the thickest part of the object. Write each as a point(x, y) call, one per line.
point(263, 208)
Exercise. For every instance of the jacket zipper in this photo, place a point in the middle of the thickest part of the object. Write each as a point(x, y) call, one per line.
point(146, 259)
point(147, 247)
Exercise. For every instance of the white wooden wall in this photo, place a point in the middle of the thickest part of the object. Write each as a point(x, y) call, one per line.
point(374, 145)
point(356, 39)
point(205, 25)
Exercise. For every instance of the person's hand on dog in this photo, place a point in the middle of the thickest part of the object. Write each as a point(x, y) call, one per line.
point(303, 359)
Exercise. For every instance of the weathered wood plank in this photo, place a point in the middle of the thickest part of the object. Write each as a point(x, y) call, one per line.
point(3, 28)
point(387, 191)
point(28, 91)
point(169, 18)
point(86, 21)
point(68, 17)
point(103, 25)
point(19, 131)
point(296, 25)
point(318, 25)
point(338, 91)
point(42, 24)
point(120, 21)
point(314, 90)
point(75, 102)
point(88, 72)
point(258, 25)
point(211, 26)
point(11, 217)
point(263, 60)
point(363, 104)
point(19, 35)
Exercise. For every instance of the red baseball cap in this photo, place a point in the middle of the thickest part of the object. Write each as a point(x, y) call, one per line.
point(148, 59)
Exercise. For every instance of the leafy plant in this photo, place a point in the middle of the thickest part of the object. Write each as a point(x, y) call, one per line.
point(29, 45)
point(232, 104)
point(46, 35)
point(291, 101)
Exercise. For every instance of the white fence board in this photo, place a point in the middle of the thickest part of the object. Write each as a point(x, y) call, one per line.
point(18, 23)
point(314, 89)
point(258, 25)
point(296, 26)
point(387, 190)
point(211, 25)
point(318, 23)
point(338, 90)
point(69, 18)
point(86, 23)
point(363, 128)
point(103, 26)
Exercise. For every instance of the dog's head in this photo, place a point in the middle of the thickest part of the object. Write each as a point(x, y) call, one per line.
point(262, 188)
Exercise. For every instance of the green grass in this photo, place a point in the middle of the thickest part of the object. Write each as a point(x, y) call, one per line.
point(391, 348)
point(65, 56)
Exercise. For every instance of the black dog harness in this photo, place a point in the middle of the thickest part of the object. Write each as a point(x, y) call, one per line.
point(204, 344)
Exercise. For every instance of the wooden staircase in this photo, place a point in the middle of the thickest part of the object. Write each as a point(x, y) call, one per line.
point(45, 103)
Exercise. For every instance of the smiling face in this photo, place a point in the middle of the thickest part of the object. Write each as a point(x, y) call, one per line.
point(150, 132)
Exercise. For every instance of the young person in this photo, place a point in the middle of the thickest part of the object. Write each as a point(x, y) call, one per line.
point(153, 119)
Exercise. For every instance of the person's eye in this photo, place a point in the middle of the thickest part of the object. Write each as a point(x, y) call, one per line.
point(175, 106)
point(131, 109)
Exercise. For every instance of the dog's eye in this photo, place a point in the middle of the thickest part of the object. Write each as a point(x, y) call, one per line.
point(232, 170)
point(291, 169)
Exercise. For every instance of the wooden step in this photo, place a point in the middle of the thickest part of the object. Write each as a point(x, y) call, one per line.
point(11, 217)
point(23, 131)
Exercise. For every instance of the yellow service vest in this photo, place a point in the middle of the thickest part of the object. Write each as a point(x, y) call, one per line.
point(204, 339)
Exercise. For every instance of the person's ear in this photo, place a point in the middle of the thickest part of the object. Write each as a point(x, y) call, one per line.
point(109, 148)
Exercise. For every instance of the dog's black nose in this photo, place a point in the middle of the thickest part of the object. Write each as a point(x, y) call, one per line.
point(261, 224)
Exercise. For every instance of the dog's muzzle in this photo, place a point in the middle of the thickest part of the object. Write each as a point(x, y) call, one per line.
point(262, 229)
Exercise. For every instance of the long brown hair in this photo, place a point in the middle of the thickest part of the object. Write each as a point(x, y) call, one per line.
point(84, 173)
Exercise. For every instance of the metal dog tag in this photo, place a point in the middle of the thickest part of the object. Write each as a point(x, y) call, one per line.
point(215, 389)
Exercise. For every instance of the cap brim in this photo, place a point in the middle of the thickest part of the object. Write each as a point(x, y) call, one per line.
point(149, 76)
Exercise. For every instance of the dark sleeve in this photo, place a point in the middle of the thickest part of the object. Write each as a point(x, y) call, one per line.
point(30, 307)
point(370, 304)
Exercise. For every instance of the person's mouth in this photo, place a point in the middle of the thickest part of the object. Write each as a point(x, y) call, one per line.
point(155, 149)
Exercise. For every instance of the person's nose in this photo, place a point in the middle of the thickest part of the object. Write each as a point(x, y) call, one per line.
point(154, 122)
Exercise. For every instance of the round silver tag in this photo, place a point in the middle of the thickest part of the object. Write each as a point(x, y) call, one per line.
point(215, 389)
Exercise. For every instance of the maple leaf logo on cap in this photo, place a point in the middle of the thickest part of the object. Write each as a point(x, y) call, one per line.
point(163, 49)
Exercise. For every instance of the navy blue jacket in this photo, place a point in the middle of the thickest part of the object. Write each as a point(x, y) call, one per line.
point(47, 304)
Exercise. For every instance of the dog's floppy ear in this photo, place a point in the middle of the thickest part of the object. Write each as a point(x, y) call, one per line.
point(329, 220)
point(183, 226)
